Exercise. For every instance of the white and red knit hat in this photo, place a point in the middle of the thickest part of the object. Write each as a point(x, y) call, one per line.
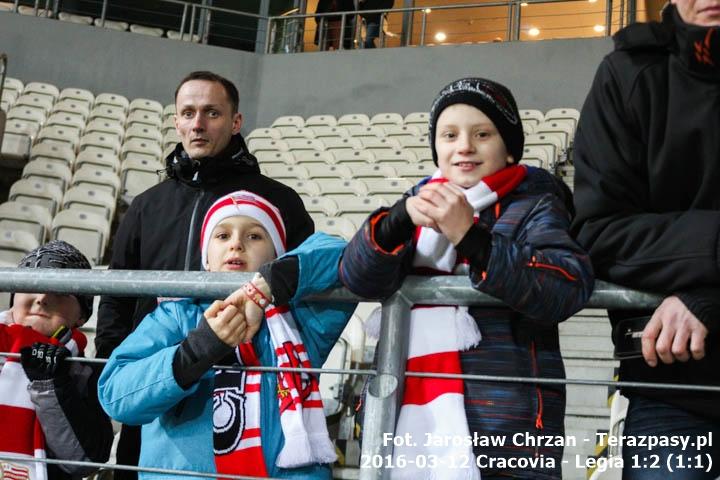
point(248, 204)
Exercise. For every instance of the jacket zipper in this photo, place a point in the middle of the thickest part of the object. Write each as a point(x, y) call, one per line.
point(535, 264)
point(190, 247)
point(538, 416)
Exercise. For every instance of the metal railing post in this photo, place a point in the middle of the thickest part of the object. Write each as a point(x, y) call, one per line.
point(343, 21)
point(183, 21)
point(516, 15)
point(322, 35)
point(35, 8)
point(191, 29)
point(47, 8)
point(16, 6)
point(509, 22)
point(423, 27)
point(103, 13)
point(608, 17)
point(386, 389)
point(269, 34)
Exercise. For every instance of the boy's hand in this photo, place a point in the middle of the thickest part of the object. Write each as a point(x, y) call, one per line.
point(43, 361)
point(670, 329)
point(253, 313)
point(416, 208)
point(447, 206)
point(228, 322)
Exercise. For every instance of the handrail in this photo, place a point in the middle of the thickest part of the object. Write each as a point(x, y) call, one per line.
point(385, 389)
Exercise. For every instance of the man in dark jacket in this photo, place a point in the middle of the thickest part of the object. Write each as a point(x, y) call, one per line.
point(647, 159)
point(161, 230)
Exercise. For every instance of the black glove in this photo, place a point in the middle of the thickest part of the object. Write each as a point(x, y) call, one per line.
point(44, 361)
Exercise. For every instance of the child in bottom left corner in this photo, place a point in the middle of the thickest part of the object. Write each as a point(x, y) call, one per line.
point(48, 405)
point(235, 421)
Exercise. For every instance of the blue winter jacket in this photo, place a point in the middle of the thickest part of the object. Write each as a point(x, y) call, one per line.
point(137, 386)
point(543, 276)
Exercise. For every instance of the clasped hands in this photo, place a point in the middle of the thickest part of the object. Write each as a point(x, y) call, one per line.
point(237, 319)
point(442, 207)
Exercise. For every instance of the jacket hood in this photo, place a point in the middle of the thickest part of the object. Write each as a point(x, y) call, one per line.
point(697, 48)
point(234, 159)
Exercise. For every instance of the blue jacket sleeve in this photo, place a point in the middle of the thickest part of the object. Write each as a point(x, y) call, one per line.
point(541, 272)
point(137, 384)
point(321, 323)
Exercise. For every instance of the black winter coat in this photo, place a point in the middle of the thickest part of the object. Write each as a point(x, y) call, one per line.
point(647, 160)
point(161, 230)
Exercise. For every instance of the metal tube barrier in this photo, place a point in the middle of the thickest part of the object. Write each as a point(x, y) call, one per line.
point(103, 13)
point(3, 71)
point(182, 22)
point(163, 471)
point(423, 27)
point(386, 389)
point(343, 21)
point(608, 16)
point(191, 29)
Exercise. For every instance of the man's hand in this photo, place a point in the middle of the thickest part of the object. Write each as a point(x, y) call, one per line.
point(446, 205)
point(43, 361)
point(670, 329)
point(228, 322)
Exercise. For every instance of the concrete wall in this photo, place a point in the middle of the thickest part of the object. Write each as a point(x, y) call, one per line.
point(542, 74)
point(103, 60)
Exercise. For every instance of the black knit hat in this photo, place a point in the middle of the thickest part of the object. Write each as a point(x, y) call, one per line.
point(59, 254)
point(491, 98)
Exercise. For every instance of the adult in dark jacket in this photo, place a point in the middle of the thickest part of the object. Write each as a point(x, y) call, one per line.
point(161, 230)
point(647, 159)
point(373, 21)
point(517, 250)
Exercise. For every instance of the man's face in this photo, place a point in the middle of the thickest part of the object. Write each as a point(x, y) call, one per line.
point(46, 312)
point(705, 13)
point(204, 119)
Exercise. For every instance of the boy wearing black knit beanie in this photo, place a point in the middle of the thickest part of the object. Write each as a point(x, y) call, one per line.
point(49, 403)
point(504, 225)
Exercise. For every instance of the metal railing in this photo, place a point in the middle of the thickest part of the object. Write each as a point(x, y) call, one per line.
point(289, 29)
point(385, 389)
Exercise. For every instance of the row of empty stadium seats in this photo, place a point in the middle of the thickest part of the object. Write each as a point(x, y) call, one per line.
point(109, 24)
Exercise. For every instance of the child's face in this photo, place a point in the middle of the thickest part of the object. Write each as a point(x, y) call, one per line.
point(468, 145)
point(46, 312)
point(239, 244)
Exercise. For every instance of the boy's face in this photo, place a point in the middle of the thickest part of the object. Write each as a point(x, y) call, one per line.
point(46, 312)
point(239, 244)
point(468, 145)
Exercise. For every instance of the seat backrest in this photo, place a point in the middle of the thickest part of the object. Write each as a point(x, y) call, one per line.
point(144, 117)
point(417, 118)
point(278, 171)
point(100, 140)
point(55, 152)
point(321, 120)
point(386, 119)
point(288, 121)
point(143, 131)
point(78, 94)
point(49, 171)
point(89, 198)
point(37, 192)
point(319, 204)
point(15, 244)
point(33, 219)
point(87, 231)
point(112, 99)
point(40, 88)
point(354, 119)
point(74, 106)
point(98, 158)
point(146, 104)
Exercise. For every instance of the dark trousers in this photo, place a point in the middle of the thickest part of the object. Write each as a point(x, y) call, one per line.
point(655, 421)
point(128, 451)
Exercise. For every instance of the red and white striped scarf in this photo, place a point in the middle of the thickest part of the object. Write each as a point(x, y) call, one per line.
point(236, 407)
point(434, 408)
point(23, 435)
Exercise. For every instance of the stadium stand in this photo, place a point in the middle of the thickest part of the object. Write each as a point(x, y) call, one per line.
point(82, 155)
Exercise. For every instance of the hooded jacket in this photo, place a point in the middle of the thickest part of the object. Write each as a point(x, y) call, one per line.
point(520, 339)
point(138, 385)
point(647, 166)
point(161, 229)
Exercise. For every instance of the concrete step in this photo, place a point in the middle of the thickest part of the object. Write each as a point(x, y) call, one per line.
point(601, 343)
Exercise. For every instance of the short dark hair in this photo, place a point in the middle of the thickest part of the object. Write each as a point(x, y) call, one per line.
point(230, 88)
